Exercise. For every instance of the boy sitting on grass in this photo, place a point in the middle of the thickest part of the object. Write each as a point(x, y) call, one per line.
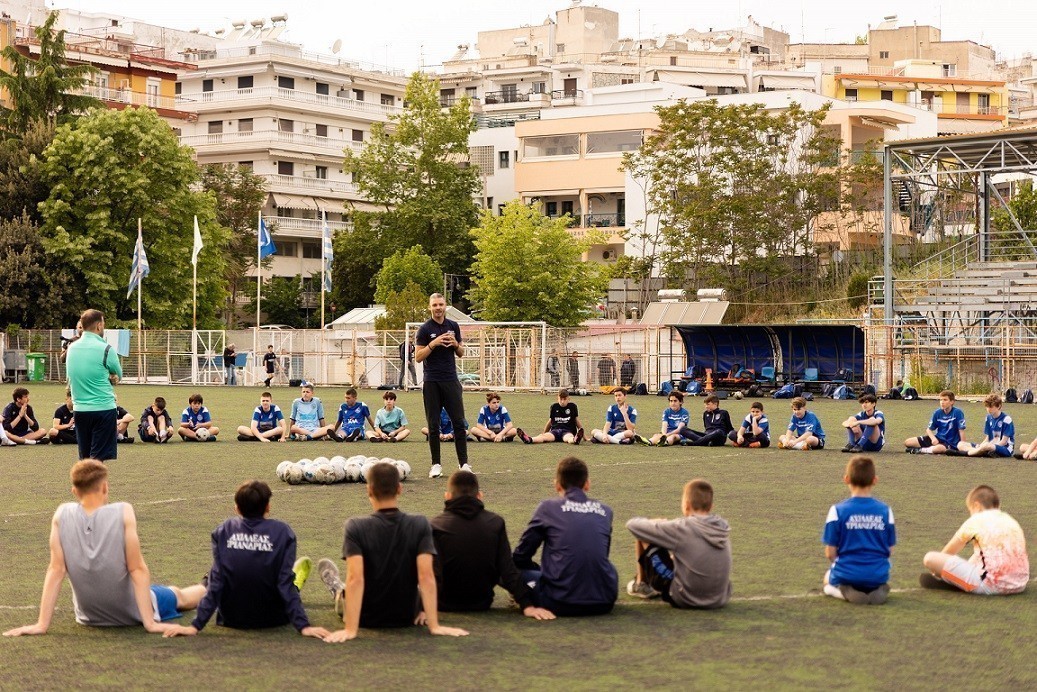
point(859, 536)
point(494, 423)
point(20, 420)
point(717, 424)
point(155, 424)
point(804, 431)
point(755, 430)
point(194, 418)
point(563, 423)
point(998, 432)
point(349, 427)
point(686, 561)
point(390, 423)
point(64, 425)
point(446, 427)
point(675, 423)
point(865, 430)
point(307, 417)
point(945, 431)
point(620, 422)
point(268, 423)
point(999, 564)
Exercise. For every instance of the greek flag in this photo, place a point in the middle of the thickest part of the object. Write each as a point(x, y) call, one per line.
point(140, 267)
point(266, 243)
point(328, 254)
point(197, 243)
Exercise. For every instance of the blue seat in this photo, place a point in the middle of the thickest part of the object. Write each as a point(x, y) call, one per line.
point(766, 375)
point(810, 374)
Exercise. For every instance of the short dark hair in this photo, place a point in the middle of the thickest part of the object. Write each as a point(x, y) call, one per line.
point(88, 474)
point(860, 471)
point(463, 483)
point(383, 479)
point(252, 499)
point(18, 393)
point(712, 399)
point(699, 494)
point(351, 392)
point(676, 394)
point(195, 399)
point(89, 318)
point(756, 404)
point(947, 393)
point(868, 398)
point(985, 496)
point(993, 401)
point(799, 402)
point(266, 395)
point(389, 395)
point(563, 393)
point(161, 403)
point(490, 396)
point(571, 473)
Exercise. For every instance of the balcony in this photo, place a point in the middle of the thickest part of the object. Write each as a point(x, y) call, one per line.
point(297, 183)
point(271, 95)
point(291, 51)
point(133, 98)
point(508, 99)
point(447, 101)
point(566, 97)
point(269, 138)
point(604, 221)
point(954, 109)
point(304, 228)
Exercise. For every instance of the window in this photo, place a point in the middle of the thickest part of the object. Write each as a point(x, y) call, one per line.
point(311, 251)
point(358, 135)
point(500, 209)
point(215, 127)
point(627, 80)
point(358, 94)
point(509, 93)
point(206, 85)
point(323, 89)
point(321, 130)
point(559, 48)
point(247, 165)
point(610, 142)
point(286, 82)
point(446, 97)
point(321, 173)
point(983, 101)
point(772, 140)
point(178, 88)
point(569, 86)
point(285, 125)
point(555, 145)
point(245, 82)
point(539, 87)
point(471, 92)
point(851, 94)
point(883, 55)
point(567, 208)
point(950, 70)
point(152, 92)
point(245, 125)
point(285, 248)
point(388, 100)
point(285, 168)
point(503, 159)
point(673, 59)
point(886, 95)
point(551, 209)
point(489, 202)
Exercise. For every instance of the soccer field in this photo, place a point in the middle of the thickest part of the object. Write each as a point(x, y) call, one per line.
point(776, 633)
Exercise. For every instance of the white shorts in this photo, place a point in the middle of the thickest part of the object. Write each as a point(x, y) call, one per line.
point(965, 575)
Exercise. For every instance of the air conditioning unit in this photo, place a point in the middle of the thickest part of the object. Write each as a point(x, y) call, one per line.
point(608, 255)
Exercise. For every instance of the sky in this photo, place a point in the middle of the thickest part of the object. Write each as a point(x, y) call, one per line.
point(407, 34)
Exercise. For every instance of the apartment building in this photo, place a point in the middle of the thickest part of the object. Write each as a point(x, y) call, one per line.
point(289, 115)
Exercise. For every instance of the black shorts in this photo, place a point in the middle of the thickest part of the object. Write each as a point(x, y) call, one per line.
point(926, 441)
point(560, 433)
point(657, 565)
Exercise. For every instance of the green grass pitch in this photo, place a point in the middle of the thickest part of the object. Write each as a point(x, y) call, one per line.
point(777, 633)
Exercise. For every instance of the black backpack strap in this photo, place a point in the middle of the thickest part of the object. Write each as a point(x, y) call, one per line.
point(104, 361)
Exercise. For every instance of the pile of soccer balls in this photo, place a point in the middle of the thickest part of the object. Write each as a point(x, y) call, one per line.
point(337, 469)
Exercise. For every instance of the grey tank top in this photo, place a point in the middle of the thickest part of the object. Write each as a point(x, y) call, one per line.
point(95, 558)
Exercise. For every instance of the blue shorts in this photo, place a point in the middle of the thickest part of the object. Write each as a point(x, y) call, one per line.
point(1002, 451)
point(867, 445)
point(163, 602)
point(560, 433)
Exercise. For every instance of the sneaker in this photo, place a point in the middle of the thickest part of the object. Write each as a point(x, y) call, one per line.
point(302, 568)
point(1018, 455)
point(642, 440)
point(127, 440)
point(29, 442)
point(912, 450)
point(467, 467)
point(663, 442)
point(43, 441)
point(210, 438)
point(355, 435)
point(377, 439)
point(927, 581)
point(856, 449)
point(754, 445)
point(641, 590)
point(579, 436)
point(241, 438)
point(7, 442)
point(436, 471)
point(848, 448)
point(329, 574)
point(521, 434)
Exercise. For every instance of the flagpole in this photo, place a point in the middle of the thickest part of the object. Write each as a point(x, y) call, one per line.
point(259, 285)
point(323, 265)
point(140, 290)
point(194, 310)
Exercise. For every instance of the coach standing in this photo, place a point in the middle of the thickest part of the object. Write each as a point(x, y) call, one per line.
point(439, 342)
point(92, 369)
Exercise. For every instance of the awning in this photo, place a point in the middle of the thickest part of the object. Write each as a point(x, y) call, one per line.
point(881, 124)
point(292, 155)
point(702, 79)
point(788, 81)
point(350, 205)
point(293, 202)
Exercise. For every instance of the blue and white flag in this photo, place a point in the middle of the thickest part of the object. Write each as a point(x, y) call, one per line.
point(328, 254)
point(197, 243)
point(140, 267)
point(266, 243)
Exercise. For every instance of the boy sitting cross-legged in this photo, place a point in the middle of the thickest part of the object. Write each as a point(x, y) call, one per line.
point(804, 431)
point(620, 422)
point(307, 416)
point(675, 423)
point(755, 430)
point(716, 423)
point(268, 423)
point(390, 423)
point(494, 423)
point(998, 432)
point(194, 418)
point(351, 417)
point(859, 536)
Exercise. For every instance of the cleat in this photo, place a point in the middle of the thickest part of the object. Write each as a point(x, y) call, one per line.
point(911, 450)
point(579, 436)
point(355, 435)
point(302, 568)
point(642, 440)
point(856, 449)
point(523, 436)
point(848, 448)
point(329, 574)
point(436, 471)
point(641, 590)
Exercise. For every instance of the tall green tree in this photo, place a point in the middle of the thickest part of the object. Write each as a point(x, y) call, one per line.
point(282, 300)
point(104, 172)
point(404, 267)
point(409, 304)
point(21, 179)
point(416, 168)
point(36, 291)
point(44, 87)
point(529, 268)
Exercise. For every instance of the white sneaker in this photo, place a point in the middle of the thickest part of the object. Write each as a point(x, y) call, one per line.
point(30, 442)
point(468, 468)
point(7, 442)
point(436, 471)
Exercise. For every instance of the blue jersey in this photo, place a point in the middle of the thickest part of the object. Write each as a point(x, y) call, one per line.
point(193, 419)
point(763, 424)
point(881, 424)
point(494, 421)
point(307, 414)
point(1000, 430)
point(446, 426)
point(807, 424)
point(948, 426)
point(614, 417)
point(674, 418)
point(267, 420)
point(352, 418)
point(861, 530)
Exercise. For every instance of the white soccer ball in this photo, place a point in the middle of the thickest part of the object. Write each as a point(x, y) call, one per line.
point(304, 462)
point(356, 459)
point(321, 460)
point(737, 395)
point(309, 472)
point(366, 468)
point(325, 474)
point(373, 460)
point(353, 471)
point(387, 460)
point(404, 468)
point(282, 470)
point(294, 475)
point(202, 434)
point(338, 465)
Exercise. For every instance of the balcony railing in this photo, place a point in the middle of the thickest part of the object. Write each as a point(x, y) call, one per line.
point(448, 101)
point(492, 98)
point(272, 93)
point(604, 220)
point(305, 228)
point(269, 137)
point(133, 98)
point(306, 183)
point(955, 109)
point(289, 51)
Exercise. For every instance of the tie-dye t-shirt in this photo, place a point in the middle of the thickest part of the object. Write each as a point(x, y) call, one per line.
point(999, 546)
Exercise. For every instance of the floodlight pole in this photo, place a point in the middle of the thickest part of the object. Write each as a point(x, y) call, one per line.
point(887, 239)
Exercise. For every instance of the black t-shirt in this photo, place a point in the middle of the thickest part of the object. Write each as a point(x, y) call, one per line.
point(63, 415)
point(389, 541)
point(439, 366)
point(717, 419)
point(23, 427)
point(229, 355)
point(120, 413)
point(564, 416)
point(269, 359)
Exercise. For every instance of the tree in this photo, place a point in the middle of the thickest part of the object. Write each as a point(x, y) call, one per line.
point(282, 300)
point(21, 180)
point(35, 291)
point(529, 268)
point(240, 195)
point(414, 167)
point(409, 304)
point(405, 267)
point(44, 88)
point(106, 171)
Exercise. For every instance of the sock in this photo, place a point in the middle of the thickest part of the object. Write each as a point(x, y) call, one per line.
point(926, 450)
point(799, 445)
point(30, 442)
point(617, 438)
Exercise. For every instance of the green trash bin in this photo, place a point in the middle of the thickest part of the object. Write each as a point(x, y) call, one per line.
point(36, 366)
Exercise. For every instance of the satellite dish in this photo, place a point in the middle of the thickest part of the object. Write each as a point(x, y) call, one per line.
point(336, 46)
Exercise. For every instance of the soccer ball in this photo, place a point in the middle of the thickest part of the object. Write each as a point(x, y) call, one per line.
point(387, 460)
point(737, 395)
point(366, 468)
point(305, 462)
point(282, 470)
point(404, 468)
point(310, 471)
point(353, 471)
point(338, 465)
point(294, 475)
point(321, 460)
point(325, 473)
point(202, 434)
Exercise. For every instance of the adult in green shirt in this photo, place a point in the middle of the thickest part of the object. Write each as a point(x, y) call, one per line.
point(93, 368)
